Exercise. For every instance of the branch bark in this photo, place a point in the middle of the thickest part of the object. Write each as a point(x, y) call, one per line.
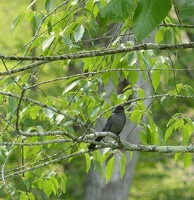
point(101, 52)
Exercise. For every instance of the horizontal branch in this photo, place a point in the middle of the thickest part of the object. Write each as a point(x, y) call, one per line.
point(154, 148)
point(123, 145)
point(102, 52)
point(57, 141)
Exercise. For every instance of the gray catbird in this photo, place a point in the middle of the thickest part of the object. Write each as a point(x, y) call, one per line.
point(114, 124)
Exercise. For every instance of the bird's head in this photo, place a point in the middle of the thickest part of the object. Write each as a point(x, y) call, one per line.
point(118, 109)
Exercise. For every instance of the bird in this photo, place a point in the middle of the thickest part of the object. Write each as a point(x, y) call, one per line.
point(114, 124)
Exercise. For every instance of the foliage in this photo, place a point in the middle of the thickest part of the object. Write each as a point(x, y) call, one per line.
point(50, 102)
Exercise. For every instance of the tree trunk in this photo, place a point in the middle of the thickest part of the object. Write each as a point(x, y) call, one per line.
point(116, 188)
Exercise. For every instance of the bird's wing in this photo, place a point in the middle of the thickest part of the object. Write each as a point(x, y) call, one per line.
point(108, 124)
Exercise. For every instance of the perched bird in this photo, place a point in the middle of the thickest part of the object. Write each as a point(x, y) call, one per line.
point(114, 124)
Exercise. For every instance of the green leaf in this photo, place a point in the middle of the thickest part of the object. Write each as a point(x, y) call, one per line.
point(23, 196)
point(123, 161)
point(136, 116)
point(130, 155)
point(2, 155)
point(167, 39)
point(137, 113)
point(12, 105)
point(49, 4)
point(34, 112)
point(35, 22)
point(133, 76)
point(179, 123)
point(168, 132)
point(143, 137)
point(95, 111)
point(79, 33)
point(17, 21)
point(156, 77)
point(187, 160)
point(49, 113)
point(47, 43)
point(141, 93)
point(30, 196)
point(63, 182)
point(47, 187)
point(116, 11)
point(109, 168)
point(87, 86)
point(186, 132)
point(88, 162)
point(148, 15)
point(71, 86)
point(166, 73)
point(187, 10)
point(177, 155)
point(98, 161)
point(159, 35)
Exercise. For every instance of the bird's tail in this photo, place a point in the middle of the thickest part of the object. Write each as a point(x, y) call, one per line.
point(98, 139)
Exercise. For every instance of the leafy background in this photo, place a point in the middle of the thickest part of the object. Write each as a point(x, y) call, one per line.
point(160, 176)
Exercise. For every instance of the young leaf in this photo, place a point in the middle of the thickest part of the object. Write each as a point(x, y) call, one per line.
point(34, 112)
point(143, 137)
point(156, 78)
point(48, 113)
point(88, 162)
point(168, 132)
point(187, 160)
point(47, 187)
point(123, 161)
point(177, 155)
point(148, 15)
point(47, 43)
point(133, 76)
point(63, 182)
point(136, 116)
point(79, 33)
point(71, 86)
point(109, 168)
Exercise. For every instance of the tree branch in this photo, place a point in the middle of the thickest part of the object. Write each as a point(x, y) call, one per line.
point(102, 52)
point(154, 148)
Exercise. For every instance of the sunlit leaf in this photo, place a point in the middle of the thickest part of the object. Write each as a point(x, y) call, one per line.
point(187, 159)
point(88, 162)
point(71, 86)
point(47, 187)
point(34, 112)
point(47, 43)
point(156, 78)
point(123, 161)
point(79, 33)
point(109, 168)
point(49, 113)
point(168, 132)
